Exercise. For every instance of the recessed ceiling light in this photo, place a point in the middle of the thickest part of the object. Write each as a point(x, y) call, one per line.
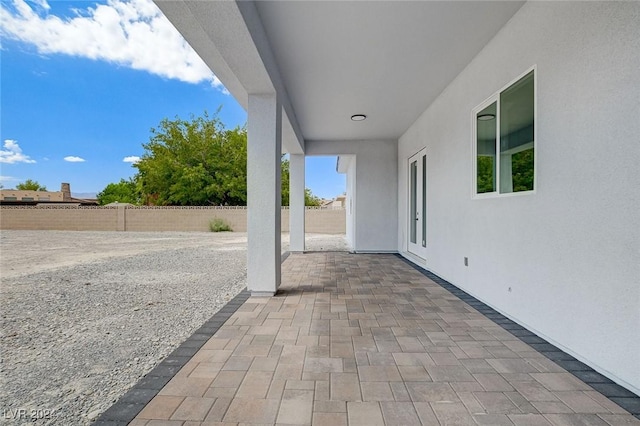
point(486, 117)
point(358, 117)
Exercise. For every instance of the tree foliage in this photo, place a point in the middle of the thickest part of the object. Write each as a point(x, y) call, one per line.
point(284, 170)
point(125, 191)
point(485, 180)
point(309, 198)
point(522, 169)
point(30, 185)
point(194, 162)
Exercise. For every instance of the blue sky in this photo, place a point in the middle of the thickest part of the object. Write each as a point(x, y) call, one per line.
point(83, 82)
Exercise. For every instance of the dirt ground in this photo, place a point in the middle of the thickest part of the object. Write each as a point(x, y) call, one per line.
point(29, 252)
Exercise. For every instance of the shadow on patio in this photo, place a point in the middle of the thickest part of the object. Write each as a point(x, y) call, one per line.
point(365, 340)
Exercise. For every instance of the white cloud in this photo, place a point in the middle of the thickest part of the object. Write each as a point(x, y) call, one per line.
point(42, 3)
point(131, 159)
point(8, 178)
point(74, 159)
point(131, 33)
point(12, 153)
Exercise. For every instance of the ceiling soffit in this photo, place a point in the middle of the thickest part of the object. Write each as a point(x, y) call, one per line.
point(389, 59)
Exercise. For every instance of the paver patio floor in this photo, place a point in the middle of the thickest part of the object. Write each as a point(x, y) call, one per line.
point(368, 340)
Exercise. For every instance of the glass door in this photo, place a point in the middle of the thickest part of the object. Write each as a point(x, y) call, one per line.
point(417, 243)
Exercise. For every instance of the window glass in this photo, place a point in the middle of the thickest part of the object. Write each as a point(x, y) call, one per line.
point(516, 136)
point(414, 201)
point(505, 140)
point(486, 149)
point(424, 201)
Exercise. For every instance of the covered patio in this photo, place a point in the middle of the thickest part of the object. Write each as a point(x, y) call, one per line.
point(366, 339)
point(469, 133)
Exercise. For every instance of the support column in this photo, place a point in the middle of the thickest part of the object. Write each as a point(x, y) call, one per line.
point(296, 202)
point(264, 148)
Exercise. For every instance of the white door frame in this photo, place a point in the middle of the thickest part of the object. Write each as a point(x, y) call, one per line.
point(416, 204)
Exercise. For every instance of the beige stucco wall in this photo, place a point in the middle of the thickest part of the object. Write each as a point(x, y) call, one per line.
point(129, 218)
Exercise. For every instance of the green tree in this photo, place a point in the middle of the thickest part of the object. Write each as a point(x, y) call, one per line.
point(125, 191)
point(522, 166)
point(284, 171)
point(30, 185)
point(485, 174)
point(309, 198)
point(194, 163)
point(198, 162)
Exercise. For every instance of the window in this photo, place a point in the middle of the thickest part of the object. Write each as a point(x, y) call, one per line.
point(504, 137)
point(27, 198)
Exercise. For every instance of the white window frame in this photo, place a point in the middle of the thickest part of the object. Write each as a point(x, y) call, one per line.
point(495, 97)
point(420, 245)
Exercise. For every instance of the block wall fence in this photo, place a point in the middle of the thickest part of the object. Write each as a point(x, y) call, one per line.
point(144, 218)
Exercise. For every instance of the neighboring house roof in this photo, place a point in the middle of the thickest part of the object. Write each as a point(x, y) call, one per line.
point(338, 201)
point(29, 197)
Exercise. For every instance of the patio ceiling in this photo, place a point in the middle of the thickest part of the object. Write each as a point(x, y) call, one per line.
point(330, 60)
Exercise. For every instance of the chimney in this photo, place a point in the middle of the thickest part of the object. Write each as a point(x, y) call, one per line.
point(66, 191)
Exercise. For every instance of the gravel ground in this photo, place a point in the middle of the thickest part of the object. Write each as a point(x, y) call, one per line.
point(86, 314)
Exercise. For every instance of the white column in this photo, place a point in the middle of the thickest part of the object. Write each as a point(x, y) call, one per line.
point(264, 147)
point(296, 202)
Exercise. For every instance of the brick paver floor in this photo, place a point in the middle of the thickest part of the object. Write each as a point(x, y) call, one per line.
point(368, 340)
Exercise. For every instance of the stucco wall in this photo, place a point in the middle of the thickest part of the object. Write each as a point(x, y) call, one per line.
point(330, 221)
point(565, 261)
point(375, 190)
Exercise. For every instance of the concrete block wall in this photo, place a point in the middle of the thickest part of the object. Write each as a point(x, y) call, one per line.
point(318, 221)
point(182, 218)
point(70, 218)
point(132, 218)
